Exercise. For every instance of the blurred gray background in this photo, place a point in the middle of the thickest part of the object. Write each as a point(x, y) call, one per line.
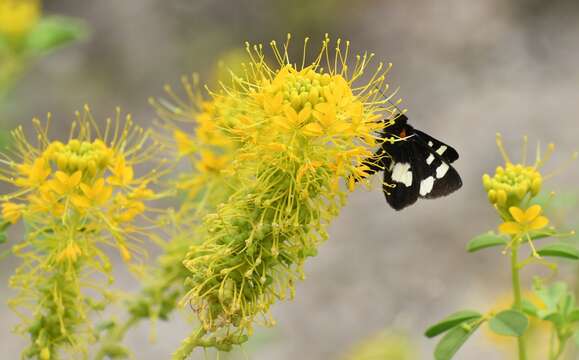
point(466, 69)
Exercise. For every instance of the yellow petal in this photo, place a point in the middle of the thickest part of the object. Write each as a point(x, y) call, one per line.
point(517, 214)
point(80, 202)
point(312, 129)
point(61, 176)
point(291, 115)
point(539, 223)
point(510, 228)
point(532, 213)
point(305, 114)
point(75, 178)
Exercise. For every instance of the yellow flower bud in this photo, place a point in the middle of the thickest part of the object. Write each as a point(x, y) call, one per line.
point(492, 195)
point(501, 198)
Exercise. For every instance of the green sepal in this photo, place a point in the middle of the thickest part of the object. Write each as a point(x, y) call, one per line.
point(451, 321)
point(454, 339)
point(562, 250)
point(483, 241)
point(509, 323)
point(53, 32)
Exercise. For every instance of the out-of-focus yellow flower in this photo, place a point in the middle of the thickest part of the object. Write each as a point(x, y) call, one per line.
point(185, 144)
point(122, 175)
point(17, 17)
point(67, 193)
point(210, 162)
point(537, 333)
point(70, 253)
point(524, 221)
point(12, 212)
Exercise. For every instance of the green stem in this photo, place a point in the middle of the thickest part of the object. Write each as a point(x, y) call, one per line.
point(115, 337)
point(518, 304)
point(561, 348)
point(188, 345)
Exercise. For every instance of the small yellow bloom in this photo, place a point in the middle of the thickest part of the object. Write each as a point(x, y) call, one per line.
point(34, 174)
point(70, 253)
point(96, 195)
point(184, 143)
point(17, 17)
point(525, 221)
point(127, 209)
point(122, 174)
point(63, 183)
point(12, 212)
point(210, 162)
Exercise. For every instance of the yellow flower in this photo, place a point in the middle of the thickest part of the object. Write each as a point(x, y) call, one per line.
point(515, 183)
point(66, 192)
point(34, 174)
point(210, 162)
point(12, 212)
point(96, 195)
point(184, 143)
point(17, 17)
point(126, 209)
point(63, 183)
point(122, 175)
point(525, 221)
point(46, 202)
point(298, 131)
point(70, 253)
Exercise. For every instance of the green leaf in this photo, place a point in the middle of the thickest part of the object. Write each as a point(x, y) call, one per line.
point(562, 250)
point(555, 318)
point(574, 315)
point(53, 32)
point(542, 234)
point(454, 339)
point(551, 295)
point(509, 323)
point(3, 238)
point(451, 321)
point(484, 241)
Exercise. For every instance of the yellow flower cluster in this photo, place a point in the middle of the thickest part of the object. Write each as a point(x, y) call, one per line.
point(297, 131)
point(514, 183)
point(196, 136)
point(17, 17)
point(85, 177)
point(74, 196)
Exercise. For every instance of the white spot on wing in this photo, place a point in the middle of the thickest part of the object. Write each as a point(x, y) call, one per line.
point(441, 150)
point(430, 159)
point(441, 170)
point(430, 143)
point(401, 173)
point(426, 186)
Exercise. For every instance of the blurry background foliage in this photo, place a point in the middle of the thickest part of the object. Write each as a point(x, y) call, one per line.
point(465, 69)
point(26, 34)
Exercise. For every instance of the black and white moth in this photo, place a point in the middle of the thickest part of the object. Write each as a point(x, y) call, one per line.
point(415, 166)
